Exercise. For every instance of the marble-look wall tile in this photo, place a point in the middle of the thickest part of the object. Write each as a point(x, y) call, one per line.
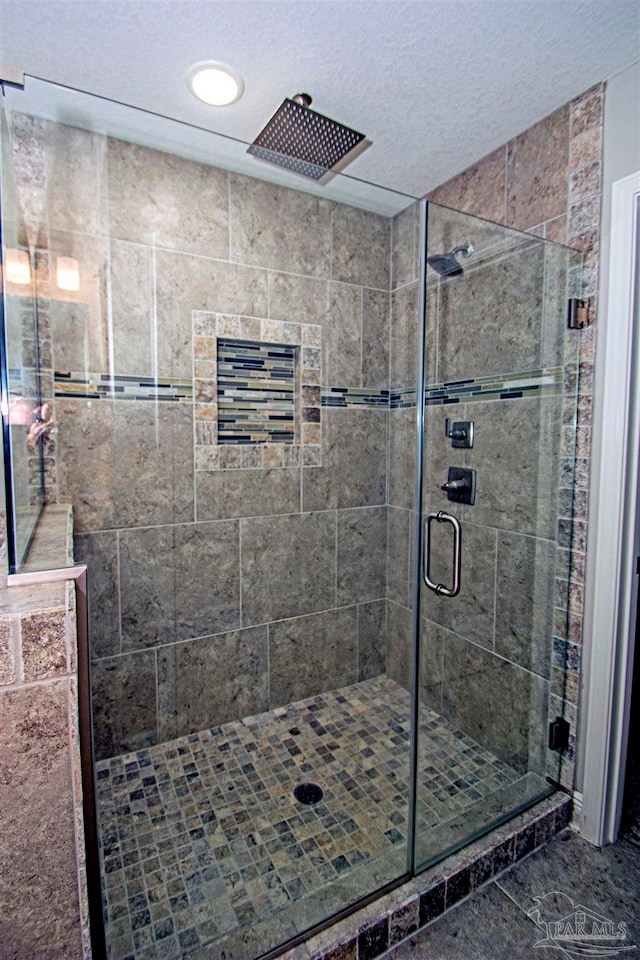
point(537, 172)
point(87, 462)
point(147, 587)
point(405, 228)
point(70, 328)
point(187, 283)
point(524, 601)
point(587, 110)
point(311, 654)
point(74, 159)
point(402, 457)
point(399, 644)
point(288, 566)
point(361, 247)
point(214, 680)
point(123, 690)
point(479, 189)
point(558, 265)
point(471, 613)
point(165, 201)
point(100, 553)
point(153, 468)
point(78, 319)
point(433, 641)
point(44, 644)
point(29, 147)
point(482, 299)
point(297, 298)
point(525, 498)
point(130, 275)
point(586, 148)
point(372, 639)
point(7, 654)
point(399, 538)
point(490, 699)
point(221, 494)
point(405, 325)
point(178, 582)
point(439, 455)
point(207, 578)
point(272, 226)
point(38, 868)
point(353, 471)
point(362, 552)
point(342, 336)
point(376, 306)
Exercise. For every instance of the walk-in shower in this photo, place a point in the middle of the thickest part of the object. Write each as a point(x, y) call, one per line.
point(324, 495)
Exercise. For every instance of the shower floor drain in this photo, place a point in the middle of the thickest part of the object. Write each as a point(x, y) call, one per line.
point(308, 793)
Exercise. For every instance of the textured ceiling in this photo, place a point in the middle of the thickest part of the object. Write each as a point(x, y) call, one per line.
point(434, 84)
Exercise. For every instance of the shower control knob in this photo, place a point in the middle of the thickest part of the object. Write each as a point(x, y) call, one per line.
point(455, 485)
point(460, 434)
point(460, 485)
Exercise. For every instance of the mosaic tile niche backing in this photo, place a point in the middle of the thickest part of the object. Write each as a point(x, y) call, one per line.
point(256, 392)
point(228, 434)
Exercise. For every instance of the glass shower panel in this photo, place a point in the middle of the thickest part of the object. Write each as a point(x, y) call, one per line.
point(22, 412)
point(499, 431)
point(251, 719)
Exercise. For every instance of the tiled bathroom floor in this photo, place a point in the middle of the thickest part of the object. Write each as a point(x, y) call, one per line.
point(202, 836)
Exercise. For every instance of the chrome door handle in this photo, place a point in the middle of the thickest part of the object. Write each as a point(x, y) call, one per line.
point(439, 588)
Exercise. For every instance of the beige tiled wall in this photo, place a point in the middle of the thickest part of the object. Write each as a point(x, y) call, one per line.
point(42, 878)
point(263, 583)
point(547, 181)
point(155, 251)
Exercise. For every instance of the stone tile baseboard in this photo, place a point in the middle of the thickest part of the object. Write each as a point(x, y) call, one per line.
point(377, 928)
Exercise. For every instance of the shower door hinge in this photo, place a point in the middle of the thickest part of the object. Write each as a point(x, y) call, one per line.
point(14, 76)
point(559, 734)
point(577, 313)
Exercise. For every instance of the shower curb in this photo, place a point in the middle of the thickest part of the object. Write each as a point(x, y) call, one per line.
point(370, 932)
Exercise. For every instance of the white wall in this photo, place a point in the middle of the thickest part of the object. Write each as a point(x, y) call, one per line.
point(621, 158)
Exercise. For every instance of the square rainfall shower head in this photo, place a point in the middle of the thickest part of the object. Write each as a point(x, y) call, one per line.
point(304, 141)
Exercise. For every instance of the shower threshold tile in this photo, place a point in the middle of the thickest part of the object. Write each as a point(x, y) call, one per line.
point(203, 841)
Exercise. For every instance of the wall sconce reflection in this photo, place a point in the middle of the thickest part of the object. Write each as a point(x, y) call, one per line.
point(38, 420)
point(18, 267)
point(43, 425)
point(67, 273)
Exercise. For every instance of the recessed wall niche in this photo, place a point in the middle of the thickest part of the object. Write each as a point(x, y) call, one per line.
point(232, 431)
point(256, 392)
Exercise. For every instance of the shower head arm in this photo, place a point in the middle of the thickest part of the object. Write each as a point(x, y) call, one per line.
point(466, 249)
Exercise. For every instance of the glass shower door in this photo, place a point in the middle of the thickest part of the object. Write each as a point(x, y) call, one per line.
point(22, 413)
point(499, 432)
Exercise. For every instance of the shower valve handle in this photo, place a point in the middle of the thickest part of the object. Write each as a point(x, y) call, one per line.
point(460, 485)
point(460, 433)
point(455, 485)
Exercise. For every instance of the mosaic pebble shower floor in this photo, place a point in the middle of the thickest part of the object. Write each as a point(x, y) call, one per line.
point(202, 836)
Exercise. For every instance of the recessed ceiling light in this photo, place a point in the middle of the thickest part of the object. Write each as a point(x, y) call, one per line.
point(215, 83)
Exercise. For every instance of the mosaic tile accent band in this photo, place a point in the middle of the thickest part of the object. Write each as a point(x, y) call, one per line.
point(512, 386)
point(104, 386)
point(354, 396)
point(535, 383)
point(402, 398)
point(256, 392)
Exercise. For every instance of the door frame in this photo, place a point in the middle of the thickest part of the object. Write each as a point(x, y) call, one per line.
point(611, 583)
